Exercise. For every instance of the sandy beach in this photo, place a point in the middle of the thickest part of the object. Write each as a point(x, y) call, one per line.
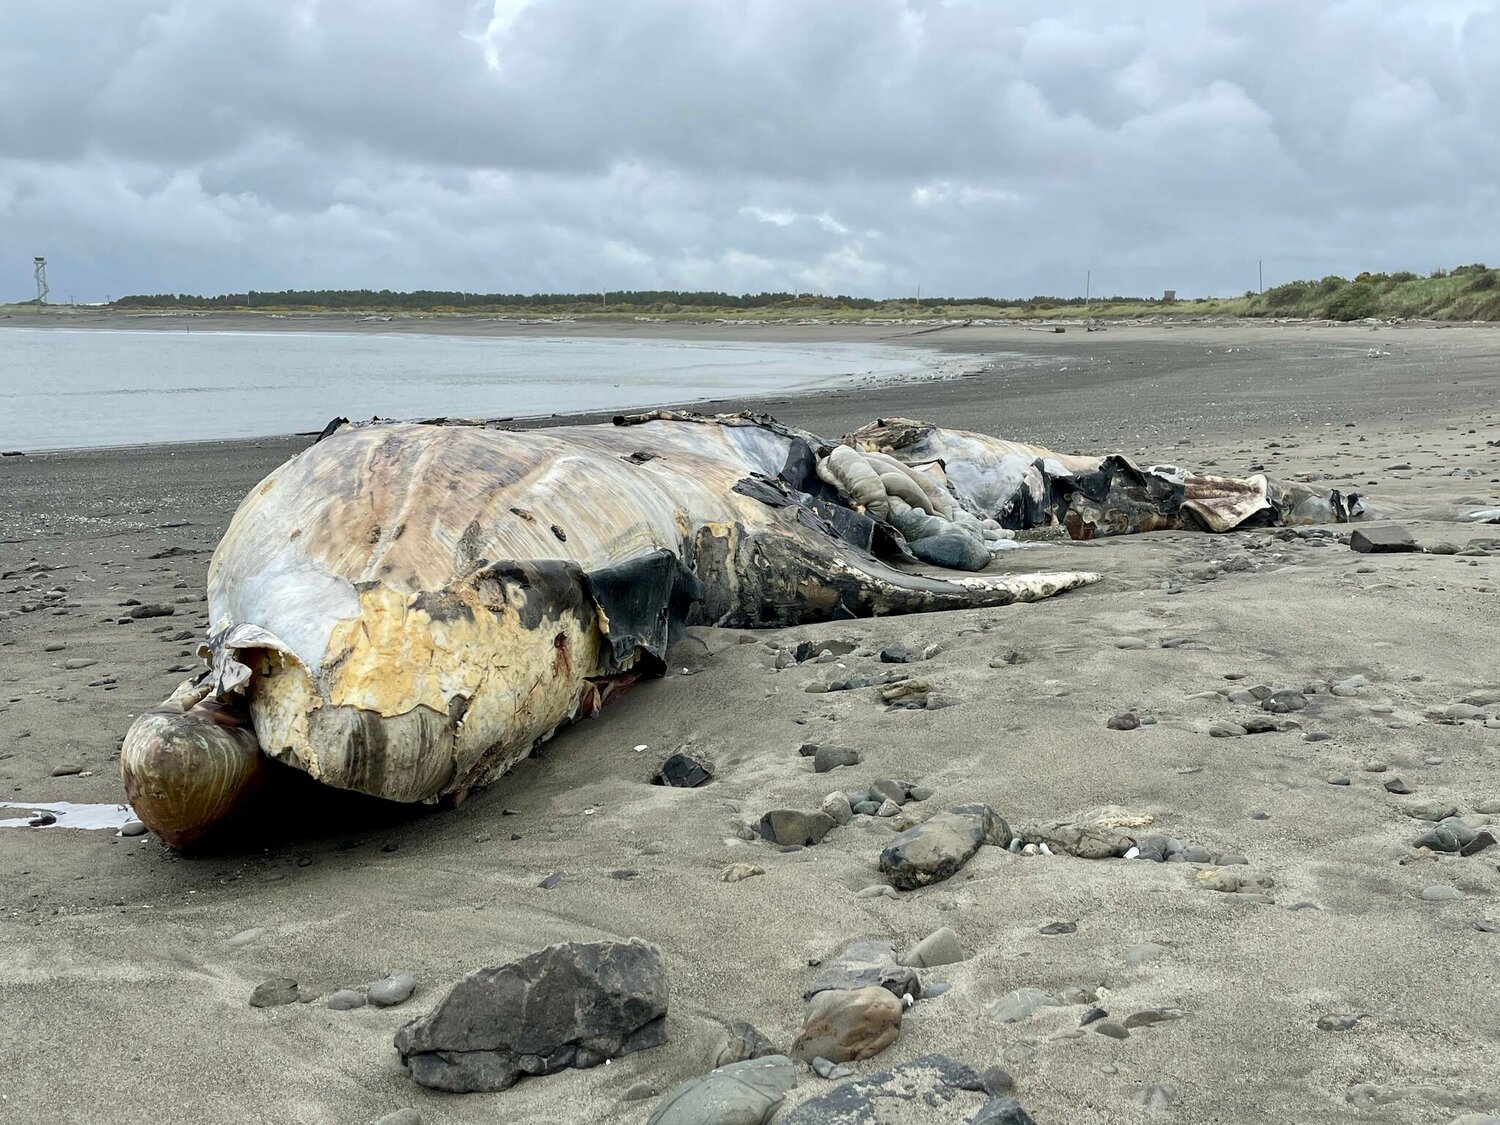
point(125, 971)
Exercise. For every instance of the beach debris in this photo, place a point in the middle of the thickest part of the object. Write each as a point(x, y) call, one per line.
point(683, 772)
point(1099, 833)
point(575, 1004)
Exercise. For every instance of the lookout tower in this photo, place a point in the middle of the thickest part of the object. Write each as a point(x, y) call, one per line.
point(39, 268)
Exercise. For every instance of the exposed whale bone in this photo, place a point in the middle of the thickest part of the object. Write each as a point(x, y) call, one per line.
point(1020, 486)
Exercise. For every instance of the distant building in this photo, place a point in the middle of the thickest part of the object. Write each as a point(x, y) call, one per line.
point(1168, 296)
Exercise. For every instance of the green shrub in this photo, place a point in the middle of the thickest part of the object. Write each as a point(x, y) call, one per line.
point(1355, 301)
point(1287, 296)
point(1481, 281)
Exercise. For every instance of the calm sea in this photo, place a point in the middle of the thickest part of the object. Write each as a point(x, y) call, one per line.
point(66, 388)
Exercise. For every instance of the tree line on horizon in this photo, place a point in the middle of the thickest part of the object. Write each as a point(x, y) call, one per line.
point(1469, 292)
point(426, 299)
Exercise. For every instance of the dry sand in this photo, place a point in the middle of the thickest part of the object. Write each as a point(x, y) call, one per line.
point(124, 1001)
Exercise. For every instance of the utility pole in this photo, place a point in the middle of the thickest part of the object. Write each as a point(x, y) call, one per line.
point(39, 270)
point(1260, 272)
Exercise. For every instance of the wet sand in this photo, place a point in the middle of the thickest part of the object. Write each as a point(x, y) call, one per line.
point(125, 999)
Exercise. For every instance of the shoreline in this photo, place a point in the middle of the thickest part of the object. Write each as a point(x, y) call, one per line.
point(918, 363)
point(985, 351)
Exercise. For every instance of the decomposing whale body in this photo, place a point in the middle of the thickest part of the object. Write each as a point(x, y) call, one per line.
point(406, 609)
point(1020, 486)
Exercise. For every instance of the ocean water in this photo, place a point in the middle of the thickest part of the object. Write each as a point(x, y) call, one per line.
point(70, 388)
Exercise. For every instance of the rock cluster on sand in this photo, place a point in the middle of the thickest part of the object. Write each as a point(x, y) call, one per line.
point(931, 1089)
point(574, 1004)
point(867, 964)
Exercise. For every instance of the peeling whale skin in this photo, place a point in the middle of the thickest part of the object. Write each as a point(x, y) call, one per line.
point(1026, 486)
point(407, 609)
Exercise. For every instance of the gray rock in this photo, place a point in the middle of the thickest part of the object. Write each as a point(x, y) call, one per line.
point(931, 1089)
point(1284, 702)
point(1440, 893)
point(392, 989)
point(920, 793)
point(1111, 1029)
point(1196, 855)
point(346, 1000)
point(831, 1071)
point(1463, 711)
point(937, 848)
point(1382, 539)
point(896, 654)
point(826, 758)
point(742, 1041)
point(742, 1093)
point(132, 828)
point(791, 826)
point(884, 789)
point(838, 807)
point(1101, 833)
point(1125, 720)
point(1224, 729)
point(866, 964)
point(849, 1025)
point(575, 1004)
point(274, 993)
point(941, 947)
point(1430, 808)
point(142, 612)
point(998, 1080)
point(401, 1117)
point(1021, 1004)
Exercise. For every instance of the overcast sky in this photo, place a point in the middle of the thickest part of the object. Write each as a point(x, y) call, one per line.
point(856, 146)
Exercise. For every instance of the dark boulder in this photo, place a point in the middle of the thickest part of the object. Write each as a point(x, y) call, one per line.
point(575, 1004)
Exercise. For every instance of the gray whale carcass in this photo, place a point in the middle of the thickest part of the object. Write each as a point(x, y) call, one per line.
point(407, 609)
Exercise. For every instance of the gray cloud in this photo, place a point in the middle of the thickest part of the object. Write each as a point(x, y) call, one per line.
point(862, 146)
